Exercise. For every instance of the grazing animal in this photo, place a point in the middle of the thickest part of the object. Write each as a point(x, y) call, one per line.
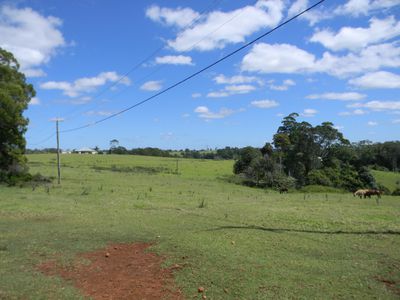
point(370, 193)
point(360, 193)
point(283, 190)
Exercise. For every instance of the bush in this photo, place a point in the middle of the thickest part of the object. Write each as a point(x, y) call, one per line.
point(379, 168)
point(13, 179)
point(367, 178)
point(396, 192)
point(349, 178)
point(247, 155)
point(318, 177)
point(334, 175)
point(284, 182)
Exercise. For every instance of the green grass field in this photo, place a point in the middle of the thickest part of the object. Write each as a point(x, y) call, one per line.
point(390, 180)
point(255, 243)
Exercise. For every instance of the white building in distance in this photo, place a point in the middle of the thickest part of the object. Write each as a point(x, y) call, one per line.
point(85, 151)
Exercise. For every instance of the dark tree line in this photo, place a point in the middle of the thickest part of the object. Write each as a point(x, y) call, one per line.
point(381, 156)
point(302, 154)
point(225, 153)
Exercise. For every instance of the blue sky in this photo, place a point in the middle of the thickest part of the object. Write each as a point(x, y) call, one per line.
point(339, 63)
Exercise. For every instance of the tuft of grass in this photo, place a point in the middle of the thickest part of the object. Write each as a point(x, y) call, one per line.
point(85, 191)
point(202, 204)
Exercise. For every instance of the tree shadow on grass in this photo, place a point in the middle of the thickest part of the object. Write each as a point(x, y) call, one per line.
point(283, 230)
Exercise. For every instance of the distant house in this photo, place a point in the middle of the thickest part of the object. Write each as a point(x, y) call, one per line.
point(85, 151)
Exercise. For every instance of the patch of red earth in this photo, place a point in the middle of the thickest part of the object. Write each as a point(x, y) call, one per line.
point(122, 271)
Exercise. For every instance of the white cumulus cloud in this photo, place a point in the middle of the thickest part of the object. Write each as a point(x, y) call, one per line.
point(239, 89)
point(230, 90)
point(31, 37)
point(85, 84)
point(371, 58)
point(364, 7)
point(356, 38)
point(152, 86)
point(174, 60)
point(205, 113)
point(237, 79)
point(277, 58)
point(309, 112)
point(378, 105)
point(218, 94)
point(350, 96)
point(179, 17)
point(376, 80)
point(357, 112)
point(313, 16)
point(218, 28)
point(285, 58)
point(264, 103)
point(283, 87)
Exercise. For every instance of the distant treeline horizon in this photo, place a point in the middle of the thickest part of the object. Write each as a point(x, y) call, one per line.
point(384, 155)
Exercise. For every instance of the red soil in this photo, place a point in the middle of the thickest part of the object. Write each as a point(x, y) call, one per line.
point(123, 271)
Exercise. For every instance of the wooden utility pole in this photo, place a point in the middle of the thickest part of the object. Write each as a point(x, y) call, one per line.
point(58, 149)
point(58, 154)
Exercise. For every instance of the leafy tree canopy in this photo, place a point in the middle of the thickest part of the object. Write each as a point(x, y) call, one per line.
point(15, 94)
point(311, 155)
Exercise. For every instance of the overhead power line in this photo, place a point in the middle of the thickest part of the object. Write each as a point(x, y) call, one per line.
point(196, 73)
point(42, 141)
point(72, 112)
point(189, 48)
point(147, 58)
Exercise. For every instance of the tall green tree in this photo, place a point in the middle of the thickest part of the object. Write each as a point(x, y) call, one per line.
point(296, 145)
point(15, 94)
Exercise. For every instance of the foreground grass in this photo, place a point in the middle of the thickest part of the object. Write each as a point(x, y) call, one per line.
point(237, 242)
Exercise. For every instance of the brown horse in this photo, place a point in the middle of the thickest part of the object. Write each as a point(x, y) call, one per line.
point(372, 192)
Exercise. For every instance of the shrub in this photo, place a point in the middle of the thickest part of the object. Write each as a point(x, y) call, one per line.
point(247, 154)
point(13, 179)
point(282, 181)
point(334, 175)
point(349, 178)
point(379, 168)
point(367, 178)
point(318, 177)
point(396, 192)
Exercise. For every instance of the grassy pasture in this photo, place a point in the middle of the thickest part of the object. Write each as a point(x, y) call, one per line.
point(389, 179)
point(256, 244)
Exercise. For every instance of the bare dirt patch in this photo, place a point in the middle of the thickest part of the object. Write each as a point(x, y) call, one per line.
point(122, 271)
